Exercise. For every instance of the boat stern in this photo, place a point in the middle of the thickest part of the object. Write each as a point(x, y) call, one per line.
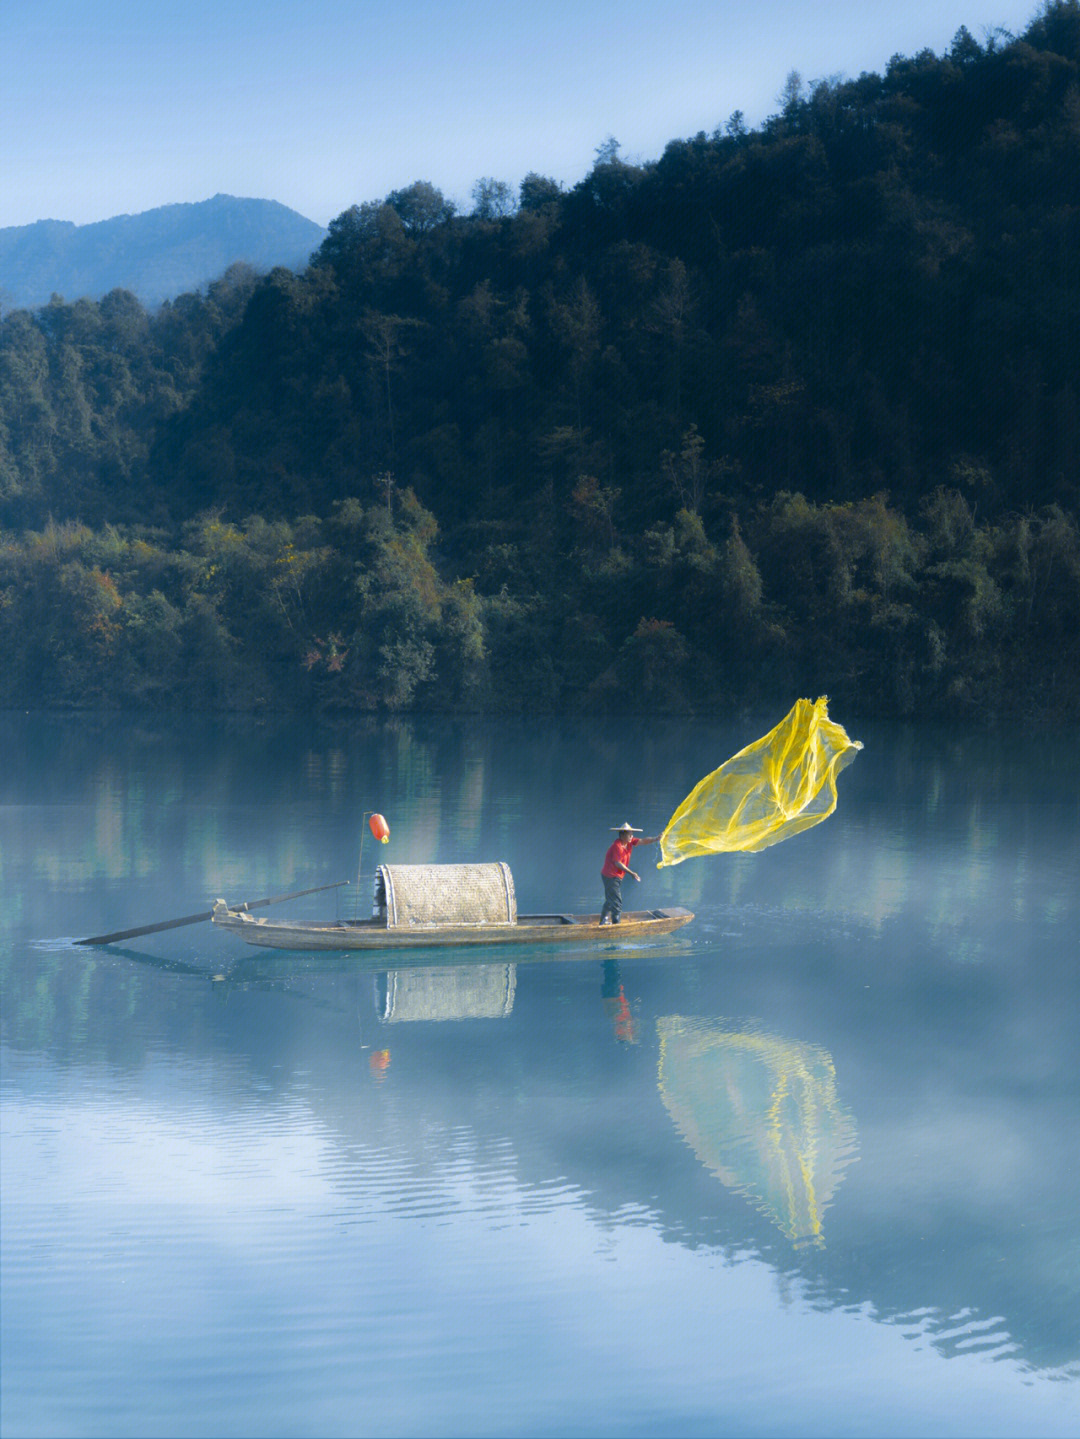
point(228, 918)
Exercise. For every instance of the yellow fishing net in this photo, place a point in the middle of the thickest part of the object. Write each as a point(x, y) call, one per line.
point(774, 788)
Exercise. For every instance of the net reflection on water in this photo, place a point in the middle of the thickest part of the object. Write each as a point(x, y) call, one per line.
point(762, 1114)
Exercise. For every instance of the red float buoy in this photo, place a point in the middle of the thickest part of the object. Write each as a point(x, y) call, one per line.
point(379, 828)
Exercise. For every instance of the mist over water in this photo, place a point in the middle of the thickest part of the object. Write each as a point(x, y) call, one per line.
point(805, 1167)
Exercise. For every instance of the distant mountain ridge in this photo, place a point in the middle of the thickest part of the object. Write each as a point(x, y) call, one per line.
point(157, 255)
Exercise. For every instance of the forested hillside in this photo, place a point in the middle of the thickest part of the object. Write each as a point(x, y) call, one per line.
point(788, 410)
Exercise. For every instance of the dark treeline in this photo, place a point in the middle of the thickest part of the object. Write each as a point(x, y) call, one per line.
point(790, 410)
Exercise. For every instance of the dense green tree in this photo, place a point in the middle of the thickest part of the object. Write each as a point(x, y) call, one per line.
point(421, 207)
point(492, 199)
point(536, 191)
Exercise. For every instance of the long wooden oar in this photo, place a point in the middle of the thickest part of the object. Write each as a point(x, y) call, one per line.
point(198, 918)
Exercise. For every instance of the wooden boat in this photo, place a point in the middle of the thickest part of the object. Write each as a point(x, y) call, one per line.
point(374, 933)
point(420, 906)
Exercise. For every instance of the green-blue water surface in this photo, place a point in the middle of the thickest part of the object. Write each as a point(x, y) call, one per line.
point(808, 1167)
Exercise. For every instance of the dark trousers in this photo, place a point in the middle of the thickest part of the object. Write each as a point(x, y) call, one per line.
point(612, 898)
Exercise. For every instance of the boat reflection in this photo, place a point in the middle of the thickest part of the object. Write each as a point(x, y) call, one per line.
point(762, 1114)
point(473, 991)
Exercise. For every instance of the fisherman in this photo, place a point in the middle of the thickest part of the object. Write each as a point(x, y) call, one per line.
point(616, 865)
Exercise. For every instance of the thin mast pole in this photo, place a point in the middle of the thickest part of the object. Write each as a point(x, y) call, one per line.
point(359, 863)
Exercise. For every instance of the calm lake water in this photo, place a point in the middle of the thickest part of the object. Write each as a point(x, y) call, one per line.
point(808, 1167)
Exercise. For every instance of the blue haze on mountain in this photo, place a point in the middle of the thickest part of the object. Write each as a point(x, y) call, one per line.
point(157, 255)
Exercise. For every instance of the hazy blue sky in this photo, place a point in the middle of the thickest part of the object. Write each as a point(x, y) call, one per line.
point(112, 106)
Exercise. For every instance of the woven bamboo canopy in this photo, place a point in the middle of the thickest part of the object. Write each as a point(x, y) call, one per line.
point(437, 895)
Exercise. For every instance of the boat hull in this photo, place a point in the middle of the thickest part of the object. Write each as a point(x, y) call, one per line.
point(371, 934)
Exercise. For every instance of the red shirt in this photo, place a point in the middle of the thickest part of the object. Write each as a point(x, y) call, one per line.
point(617, 859)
